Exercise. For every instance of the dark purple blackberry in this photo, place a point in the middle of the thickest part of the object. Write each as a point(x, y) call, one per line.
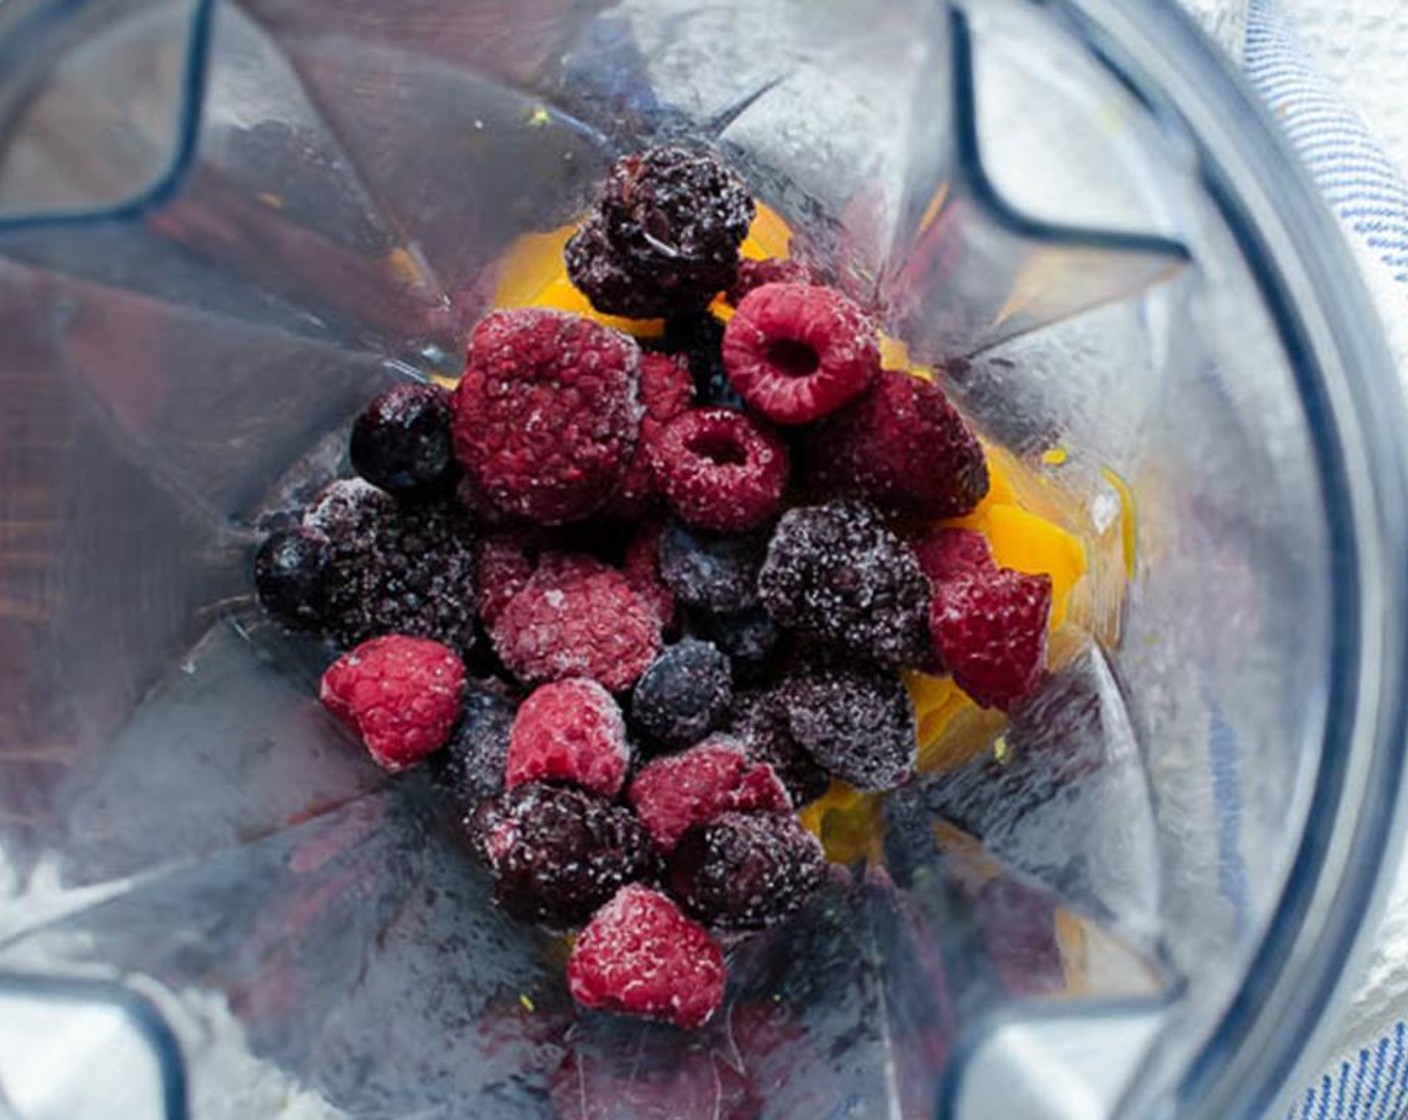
point(837, 574)
point(699, 337)
point(746, 870)
point(396, 568)
point(711, 571)
point(291, 573)
point(749, 637)
point(684, 694)
point(759, 721)
point(664, 235)
point(558, 853)
point(471, 767)
point(855, 720)
point(401, 441)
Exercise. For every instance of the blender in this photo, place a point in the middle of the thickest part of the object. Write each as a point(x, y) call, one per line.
point(224, 225)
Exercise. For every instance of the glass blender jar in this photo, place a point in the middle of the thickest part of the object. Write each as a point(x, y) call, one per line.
point(224, 225)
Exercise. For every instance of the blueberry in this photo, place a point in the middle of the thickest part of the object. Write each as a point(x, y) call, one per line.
point(401, 441)
point(471, 767)
point(684, 694)
point(291, 571)
point(712, 571)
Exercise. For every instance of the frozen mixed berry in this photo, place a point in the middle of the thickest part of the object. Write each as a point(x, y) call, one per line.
point(291, 575)
point(903, 447)
point(990, 627)
point(401, 441)
point(760, 723)
point(401, 696)
point(774, 270)
point(838, 574)
point(684, 695)
point(505, 561)
point(712, 571)
point(797, 352)
point(855, 720)
point(547, 415)
point(664, 234)
point(569, 731)
point(395, 567)
point(745, 871)
point(698, 338)
point(720, 469)
point(577, 618)
point(640, 955)
point(666, 390)
point(749, 637)
point(945, 553)
point(558, 853)
point(471, 767)
point(642, 570)
point(674, 792)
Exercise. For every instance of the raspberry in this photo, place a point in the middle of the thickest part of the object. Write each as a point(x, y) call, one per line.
point(395, 568)
point(746, 870)
point(400, 695)
point(401, 441)
point(639, 955)
point(546, 417)
point(857, 721)
point(903, 447)
point(471, 767)
point(945, 553)
point(666, 390)
point(990, 627)
point(773, 270)
point(836, 573)
point(569, 731)
point(749, 637)
point(760, 723)
point(642, 569)
point(796, 352)
point(720, 469)
point(558, 853)
point(664, 235)
point(684, 694)
point(505, 561)
point(291, 572)
point(699, 338)
point(715, 573)
point(680, 790)
point(577, 618)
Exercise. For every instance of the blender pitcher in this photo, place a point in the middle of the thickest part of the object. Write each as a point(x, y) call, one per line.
point(224, 224)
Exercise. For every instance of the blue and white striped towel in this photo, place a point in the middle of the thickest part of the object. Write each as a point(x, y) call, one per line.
point(1324, 67)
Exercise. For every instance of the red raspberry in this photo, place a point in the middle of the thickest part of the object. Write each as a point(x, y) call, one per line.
point(569, 731)
point(639, 955)
point(796, 352)
point(547, 416)
point(904, 447)
point(505, 561)
point(666, 389)
point(774, 270)
point(642, 567)
point(680, 790)
point(720, 469)
point(990, 627)
point(577, 618)
point(945, 553)
point(401, 695)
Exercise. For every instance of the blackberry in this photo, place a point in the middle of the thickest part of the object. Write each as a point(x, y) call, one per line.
point(401, 441)
point(749, 637)
point(699, 338)
point(291, 575)
point(557, 853)
point(712, 571)
point(760, 723)
point(746, 871)
point(857, 721)
point(664, 234)
point(395, 568)
point(684, 694)
point(837, 574)
point(471, 767)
